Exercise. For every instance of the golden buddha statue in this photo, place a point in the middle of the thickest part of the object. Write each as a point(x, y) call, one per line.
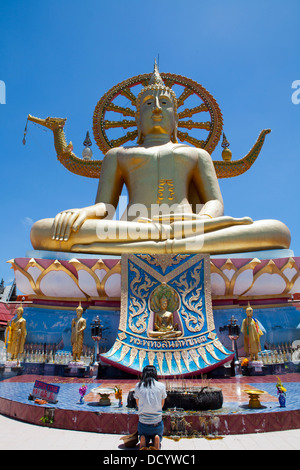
point(252, 333)
point(78, 327)
point(17, 335)
point(161, 217)
point(164, 322)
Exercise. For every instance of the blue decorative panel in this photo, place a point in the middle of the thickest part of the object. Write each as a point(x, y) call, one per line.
point(181, 341)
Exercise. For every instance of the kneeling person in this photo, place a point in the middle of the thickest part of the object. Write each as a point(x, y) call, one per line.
point(150, 396)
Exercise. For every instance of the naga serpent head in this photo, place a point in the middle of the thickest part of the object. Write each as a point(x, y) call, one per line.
point(49, 122)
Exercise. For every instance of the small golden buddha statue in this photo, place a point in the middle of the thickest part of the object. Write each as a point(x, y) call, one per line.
point(17, 335)
point(175, 202)
point(164, 322)
point(78, 327)
point(252, 333)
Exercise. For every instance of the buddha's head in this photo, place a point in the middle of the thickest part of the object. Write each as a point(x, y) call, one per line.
point(79, 310)
point(163, 303)
point(249, 311)
point(19, 311)
point(156, 109)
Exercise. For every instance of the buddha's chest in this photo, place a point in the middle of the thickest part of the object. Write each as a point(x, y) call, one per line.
point(166, 318)
point(163, 164)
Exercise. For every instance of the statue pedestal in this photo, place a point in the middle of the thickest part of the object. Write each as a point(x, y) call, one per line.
point(11, 364)
point(193, 346)
point(74, 369)
point(10, 369)
point(46, 275)
point(55, 282)
point(256, 365)
point(257, 368)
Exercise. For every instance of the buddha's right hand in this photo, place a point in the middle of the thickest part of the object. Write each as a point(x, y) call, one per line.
point(72, 219)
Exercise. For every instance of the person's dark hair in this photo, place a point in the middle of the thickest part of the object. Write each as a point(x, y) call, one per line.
point(149, 374)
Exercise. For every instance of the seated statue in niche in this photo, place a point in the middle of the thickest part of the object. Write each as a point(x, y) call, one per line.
point(164, 326)
point(158, 173)
point(164, 301)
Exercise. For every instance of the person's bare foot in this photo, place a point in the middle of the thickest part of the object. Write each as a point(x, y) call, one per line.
point(143, 443)
point(157, 442)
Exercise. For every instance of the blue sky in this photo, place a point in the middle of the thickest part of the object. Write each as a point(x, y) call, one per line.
point(57, 58)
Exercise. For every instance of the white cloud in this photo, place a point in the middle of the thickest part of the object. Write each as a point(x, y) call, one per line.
point(27, 222)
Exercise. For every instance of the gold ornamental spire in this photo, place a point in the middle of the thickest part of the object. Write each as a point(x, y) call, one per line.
point(156, 78)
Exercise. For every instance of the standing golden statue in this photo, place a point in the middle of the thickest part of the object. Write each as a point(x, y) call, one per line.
point(16, 335)
point(252, 333)
point(175, 202)
point(78, 327)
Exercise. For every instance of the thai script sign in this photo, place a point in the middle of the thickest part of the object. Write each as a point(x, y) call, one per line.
point(45, 391)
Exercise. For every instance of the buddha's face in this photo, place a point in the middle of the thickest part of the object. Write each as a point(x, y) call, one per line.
point(163, 304)
point(19, 312)
point(249, 312)
point(157, 113)
point(79, 312)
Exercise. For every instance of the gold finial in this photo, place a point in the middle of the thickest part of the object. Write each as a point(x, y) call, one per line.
point(226, 154)
point(156, 78)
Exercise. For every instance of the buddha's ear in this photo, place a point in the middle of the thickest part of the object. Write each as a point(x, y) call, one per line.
point(174, 133)
point(140, 137)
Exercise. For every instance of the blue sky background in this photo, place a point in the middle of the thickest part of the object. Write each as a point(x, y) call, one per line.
point(57, 58)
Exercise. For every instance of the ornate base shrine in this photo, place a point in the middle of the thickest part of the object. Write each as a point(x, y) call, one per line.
point(187, 346)
point(54, 284)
